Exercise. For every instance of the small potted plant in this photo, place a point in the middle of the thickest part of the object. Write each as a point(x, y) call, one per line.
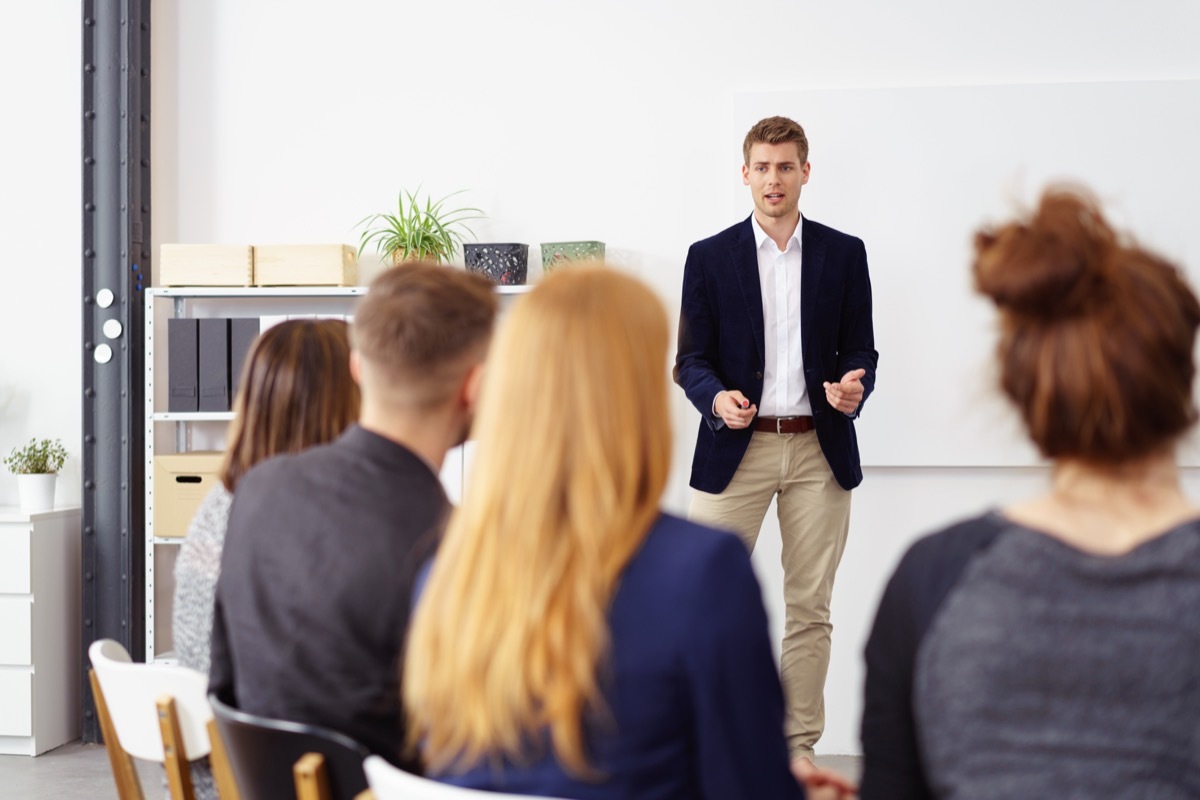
point(418, 231)
point(36, 465)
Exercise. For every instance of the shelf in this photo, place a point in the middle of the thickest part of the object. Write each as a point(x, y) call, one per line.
point(257, 291)
point(286, 291)
point(192, 416)
point(169, 539)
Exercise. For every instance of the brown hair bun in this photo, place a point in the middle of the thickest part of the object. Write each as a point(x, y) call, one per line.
point(1097, 335)
point(1057, 263)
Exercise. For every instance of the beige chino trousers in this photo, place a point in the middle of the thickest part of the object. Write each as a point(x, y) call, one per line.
point(814, 518)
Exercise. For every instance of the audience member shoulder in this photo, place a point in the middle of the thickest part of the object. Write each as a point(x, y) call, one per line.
point(678, 549)
point(670, 532)
point(944, 552)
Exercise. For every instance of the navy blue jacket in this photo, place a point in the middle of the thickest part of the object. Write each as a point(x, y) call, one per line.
point(721, 341)
point(693, 704)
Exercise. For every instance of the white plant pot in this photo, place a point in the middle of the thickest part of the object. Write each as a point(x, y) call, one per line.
point(36, 492)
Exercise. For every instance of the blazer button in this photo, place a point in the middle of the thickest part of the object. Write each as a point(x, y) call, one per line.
point(758, 375)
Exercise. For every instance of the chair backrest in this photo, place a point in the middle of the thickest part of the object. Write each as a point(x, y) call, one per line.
point(390, 783)
point(263, 753)
point(131, 692)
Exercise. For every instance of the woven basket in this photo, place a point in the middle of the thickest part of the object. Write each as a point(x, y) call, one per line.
point(556, 254)
point(503, 263)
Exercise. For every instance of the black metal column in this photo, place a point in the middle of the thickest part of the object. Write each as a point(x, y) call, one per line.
point(116, 258)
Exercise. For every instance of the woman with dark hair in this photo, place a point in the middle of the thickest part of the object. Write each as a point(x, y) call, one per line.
point(1050, 649)
point(296, 392)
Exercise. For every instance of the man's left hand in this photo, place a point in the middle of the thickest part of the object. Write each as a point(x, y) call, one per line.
point(846, 394)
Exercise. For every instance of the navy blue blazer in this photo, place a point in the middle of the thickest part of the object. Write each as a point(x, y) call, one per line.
point(693, 709)
point(721, 341)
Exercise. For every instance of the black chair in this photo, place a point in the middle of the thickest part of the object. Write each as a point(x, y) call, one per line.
point(273, 759)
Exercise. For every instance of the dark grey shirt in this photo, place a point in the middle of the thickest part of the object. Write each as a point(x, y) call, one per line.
point(316, 581)
point(1035, 669)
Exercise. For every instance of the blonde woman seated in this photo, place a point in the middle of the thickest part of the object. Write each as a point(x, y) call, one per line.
point(1051, 649)
point(572, 640)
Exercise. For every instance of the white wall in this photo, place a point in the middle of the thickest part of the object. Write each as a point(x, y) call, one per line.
point(40, 211)
point(290, 121)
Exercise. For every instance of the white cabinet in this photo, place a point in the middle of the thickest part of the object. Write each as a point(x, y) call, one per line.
point(40, 626)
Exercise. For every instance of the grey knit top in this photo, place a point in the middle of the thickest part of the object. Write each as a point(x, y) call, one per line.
point(196, 571)
point(1035, 669)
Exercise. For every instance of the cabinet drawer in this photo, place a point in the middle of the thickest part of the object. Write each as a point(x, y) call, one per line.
point(16, 701)
point(14, 558)
point(16, 625)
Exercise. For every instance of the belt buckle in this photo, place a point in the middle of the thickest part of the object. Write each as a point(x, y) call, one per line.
point(779, 425)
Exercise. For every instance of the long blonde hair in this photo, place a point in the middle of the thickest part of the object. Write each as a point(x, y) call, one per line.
point(574, 447)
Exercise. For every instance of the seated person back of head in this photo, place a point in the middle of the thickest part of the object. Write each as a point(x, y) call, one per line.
point(1050, 650)
point(322, 547)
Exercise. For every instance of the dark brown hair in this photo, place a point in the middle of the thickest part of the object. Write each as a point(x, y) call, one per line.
point(419, 321)
point(296, 392)
point(1097, 334)
point(776, 130)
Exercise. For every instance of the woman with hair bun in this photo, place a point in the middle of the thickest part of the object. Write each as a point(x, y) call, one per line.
point(1050, 649)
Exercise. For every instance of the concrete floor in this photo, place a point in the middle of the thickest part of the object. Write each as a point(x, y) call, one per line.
point(81, 771)
point(74, 770)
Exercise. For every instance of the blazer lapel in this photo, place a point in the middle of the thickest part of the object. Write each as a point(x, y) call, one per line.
point(745, 265)
point(812, 262)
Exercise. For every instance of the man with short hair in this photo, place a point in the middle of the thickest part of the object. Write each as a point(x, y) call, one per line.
point(777, 353)
point(323, 547)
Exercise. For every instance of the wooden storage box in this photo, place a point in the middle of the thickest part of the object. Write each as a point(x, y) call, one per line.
point(206, 265)
point(305, 265)
point(181, 481)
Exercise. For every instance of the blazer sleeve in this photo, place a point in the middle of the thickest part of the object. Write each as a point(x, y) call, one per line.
point(696, 358)
point(734, 685)
point(856, 334)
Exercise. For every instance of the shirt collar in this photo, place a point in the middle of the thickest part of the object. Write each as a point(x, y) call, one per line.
point(760, 236)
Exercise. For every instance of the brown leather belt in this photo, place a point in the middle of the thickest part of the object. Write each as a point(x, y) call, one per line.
point(783, 424)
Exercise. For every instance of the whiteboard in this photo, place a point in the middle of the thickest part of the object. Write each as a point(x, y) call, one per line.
point(915, 171)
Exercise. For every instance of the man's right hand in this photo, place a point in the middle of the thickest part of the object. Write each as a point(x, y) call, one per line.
point(733, 407)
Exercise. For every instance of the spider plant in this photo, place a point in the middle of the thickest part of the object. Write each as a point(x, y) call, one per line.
point(418, 231)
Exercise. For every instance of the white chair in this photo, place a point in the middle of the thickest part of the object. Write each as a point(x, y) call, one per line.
point(154, 712)
point(391, 783)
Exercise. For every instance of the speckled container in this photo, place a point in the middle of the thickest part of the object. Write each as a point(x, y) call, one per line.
point(503, 263)
point(556, 254)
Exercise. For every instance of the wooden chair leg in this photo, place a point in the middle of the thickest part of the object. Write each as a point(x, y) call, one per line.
point(311, 781)
point(124, 773)
point(218, 759)
point(179, 773)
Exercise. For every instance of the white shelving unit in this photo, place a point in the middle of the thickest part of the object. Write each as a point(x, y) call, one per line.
point(166, 303)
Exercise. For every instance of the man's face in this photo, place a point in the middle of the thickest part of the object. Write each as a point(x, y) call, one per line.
point(775, 176)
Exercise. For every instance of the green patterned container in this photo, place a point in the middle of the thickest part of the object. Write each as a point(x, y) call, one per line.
point(556, 254)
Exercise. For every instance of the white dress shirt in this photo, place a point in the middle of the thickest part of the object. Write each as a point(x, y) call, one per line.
point(784, 391)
